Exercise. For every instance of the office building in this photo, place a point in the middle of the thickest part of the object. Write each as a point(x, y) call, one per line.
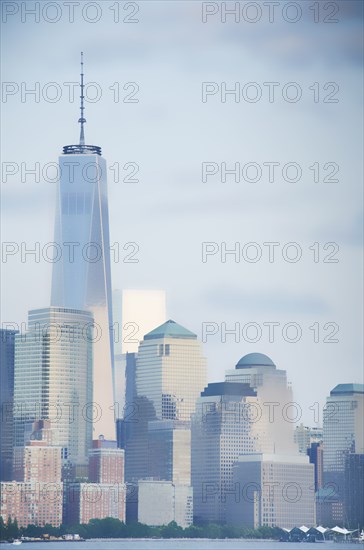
point(223, 428)
point(135, 312)
point(169, 451)
point(170, 371)
point(81, 278)
point(169, 374)
point(272, 490)
point(7, 347)
point(175, 503)
point(315, 455)
point(53, 381)
point(343, 434)
point(252, 412)
point(276, 410)
point(354, 491)
point(304, 436)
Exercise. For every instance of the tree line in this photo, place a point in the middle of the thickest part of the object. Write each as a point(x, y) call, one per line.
point(114, 528)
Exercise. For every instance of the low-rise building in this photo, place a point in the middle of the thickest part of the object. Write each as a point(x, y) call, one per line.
point(86, 501)
point(272, 490)
point(35, 495)
point(38, 503)
point(160, 502)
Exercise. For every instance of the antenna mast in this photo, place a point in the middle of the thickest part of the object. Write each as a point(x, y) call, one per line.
point(82, 120)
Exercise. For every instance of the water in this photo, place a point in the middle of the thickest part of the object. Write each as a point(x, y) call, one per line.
point(177, 544)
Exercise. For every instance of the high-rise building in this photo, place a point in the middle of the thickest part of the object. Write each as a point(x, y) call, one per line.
point(135, 312)
point(53, 380)
point(315, 455)
point(40, 460)
point(105, 493)
point(343, 434)
point(141, 311)
point(106, 462)
point(223, 428)
point(82, 275)
point(170, 373)
point(7, 347)
point(169, 451)
point(354, 491)
point(276, 409)
point(304, 436)
point(272, 490)
point(125, 424)
point(248, 414)
point(36, 495)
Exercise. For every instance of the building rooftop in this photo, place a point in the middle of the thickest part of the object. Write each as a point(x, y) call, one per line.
point(170, 329)
point(269, 457)
point(228, 388)
point(254, 360)
point(347, 389)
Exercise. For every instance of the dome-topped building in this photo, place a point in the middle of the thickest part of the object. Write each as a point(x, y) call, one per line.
point(272, 389)
point(253, 360)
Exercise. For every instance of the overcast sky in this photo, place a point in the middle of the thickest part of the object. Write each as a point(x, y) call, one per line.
point(169, 52)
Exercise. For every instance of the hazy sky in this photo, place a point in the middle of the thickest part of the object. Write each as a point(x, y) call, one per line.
point(169, 52)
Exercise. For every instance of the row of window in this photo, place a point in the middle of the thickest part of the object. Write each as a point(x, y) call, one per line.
point(76, 203)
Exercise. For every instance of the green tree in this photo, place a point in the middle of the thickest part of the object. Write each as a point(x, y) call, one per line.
point(171, 531)
point(12, 528)
point(193, 532)
point(3, 529)
point(138, 530)
point(213, 531)
point(33, 530)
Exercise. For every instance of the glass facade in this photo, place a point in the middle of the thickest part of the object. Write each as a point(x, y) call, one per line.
point(82, 276)
point(342, 431)
point(53, 379)
point(169, 451)
point(222, 430)
point(7, 347)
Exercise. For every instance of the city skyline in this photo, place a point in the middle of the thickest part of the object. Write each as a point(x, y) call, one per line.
point(304, 293)
point(240, 406)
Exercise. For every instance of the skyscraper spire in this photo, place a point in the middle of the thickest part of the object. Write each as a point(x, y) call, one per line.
point(82, 120)
point(81, 148)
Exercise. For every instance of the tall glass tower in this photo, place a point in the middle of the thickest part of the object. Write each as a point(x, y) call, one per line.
point(343, 437)
point(53, 381)
point(82, 276)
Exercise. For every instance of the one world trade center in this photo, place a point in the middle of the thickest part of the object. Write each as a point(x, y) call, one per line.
point(81, 279)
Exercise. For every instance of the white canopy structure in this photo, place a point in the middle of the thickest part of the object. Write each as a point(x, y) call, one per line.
point(321, 529)
point(341, 530)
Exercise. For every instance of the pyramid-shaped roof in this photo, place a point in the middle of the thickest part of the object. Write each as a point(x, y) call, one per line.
point(170, 329)
point(347, 389)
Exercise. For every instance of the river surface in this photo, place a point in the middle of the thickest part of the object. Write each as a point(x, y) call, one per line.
point(178, 544)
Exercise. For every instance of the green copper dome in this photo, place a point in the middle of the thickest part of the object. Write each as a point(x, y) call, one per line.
point(170, 329)
point(347, 389)
point(254, 360)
